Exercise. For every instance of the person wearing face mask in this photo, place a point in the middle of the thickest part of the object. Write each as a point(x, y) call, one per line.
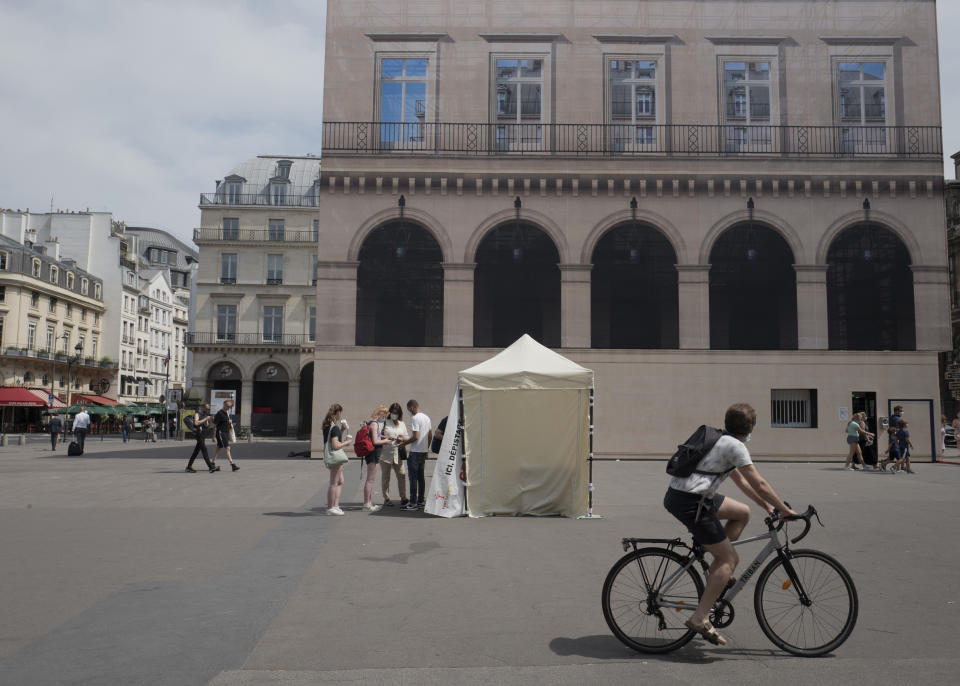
point(694, 501)
point(393, 433)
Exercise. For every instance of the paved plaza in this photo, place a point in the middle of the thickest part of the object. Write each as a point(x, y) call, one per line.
point(119, 568)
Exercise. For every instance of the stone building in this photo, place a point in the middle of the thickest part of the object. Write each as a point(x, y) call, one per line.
point(51, 330)
point(951, 396)
point(256, 292)
point(704, 202)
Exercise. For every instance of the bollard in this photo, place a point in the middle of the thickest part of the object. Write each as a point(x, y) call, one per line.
point(21, 439)
point(3, 439)
point(249, 436)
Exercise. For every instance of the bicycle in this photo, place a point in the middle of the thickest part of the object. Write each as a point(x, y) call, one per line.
point(805, 601)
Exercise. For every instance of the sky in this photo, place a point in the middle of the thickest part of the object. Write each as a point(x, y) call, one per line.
point(137, 106)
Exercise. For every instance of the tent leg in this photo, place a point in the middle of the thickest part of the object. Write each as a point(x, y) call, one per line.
point(590, 514)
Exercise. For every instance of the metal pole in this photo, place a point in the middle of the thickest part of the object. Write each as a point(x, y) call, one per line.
point(590, 514)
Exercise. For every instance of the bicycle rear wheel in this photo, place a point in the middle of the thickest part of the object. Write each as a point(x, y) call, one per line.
point(630, 603)
point(813, 629)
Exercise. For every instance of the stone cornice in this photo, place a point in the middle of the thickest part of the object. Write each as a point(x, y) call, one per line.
point(861, 40)
point(405, 36)
point(747, 39)
point(509, 37)
point(635, 37)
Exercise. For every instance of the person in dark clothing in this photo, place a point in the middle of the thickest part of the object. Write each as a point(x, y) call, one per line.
point(201, 420)
point(223, 431)
point(56, 426)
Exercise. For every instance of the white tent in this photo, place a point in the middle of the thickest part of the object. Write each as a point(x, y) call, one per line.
point(527, 432)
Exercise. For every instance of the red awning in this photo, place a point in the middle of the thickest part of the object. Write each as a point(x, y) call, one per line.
point(45, 396)
point(85, 399)
point(19, 397)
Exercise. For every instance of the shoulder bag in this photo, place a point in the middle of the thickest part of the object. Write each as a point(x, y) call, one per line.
point(332, 457)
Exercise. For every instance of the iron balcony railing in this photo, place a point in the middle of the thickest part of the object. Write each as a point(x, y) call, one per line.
point(269, 196)
point(241, 235)
point(260, 338)
point(636, 139)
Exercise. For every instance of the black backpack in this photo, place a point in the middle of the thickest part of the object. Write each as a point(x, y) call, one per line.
point(684, 462)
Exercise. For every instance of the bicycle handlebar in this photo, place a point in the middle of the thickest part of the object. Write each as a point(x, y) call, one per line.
point(777, 521)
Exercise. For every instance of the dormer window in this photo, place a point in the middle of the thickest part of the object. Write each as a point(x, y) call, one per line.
point(97, 291)
point(54, 274)
point(234, 189)
point(283, 168)
point(84, 286)
point(35, 270)
point(278, 192)
point(70, 280)
point(3, 261)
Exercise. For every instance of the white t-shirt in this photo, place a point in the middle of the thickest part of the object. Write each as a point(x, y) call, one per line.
point(81, 421)
point(421, 423)
point(727, 452)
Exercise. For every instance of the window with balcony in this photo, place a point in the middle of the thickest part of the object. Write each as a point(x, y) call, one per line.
point(312, 324)
point(31, 336)
point(273, 323)
point(276, 230)
point(403, 101)
point(233, 192)
point(633, 103)
point(316, 267)
point(747, 105)
point(51, 338)
point(518, 102)
point(228, 268)
point(278, 193)
point(226, 322)
point(231, 228)
point(274, 270)
point(862, 102)
point(316, 230)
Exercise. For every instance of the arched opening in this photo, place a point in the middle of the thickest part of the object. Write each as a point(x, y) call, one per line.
point(400, 287)
point(870, 291)
point(268, 413)
point(633, 289)
point(753, 290)
point(225, 376)
point(305, 420)
point(516, 287)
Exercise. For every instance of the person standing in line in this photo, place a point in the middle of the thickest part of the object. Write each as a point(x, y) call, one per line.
point(854, 429)
point(373, 459)
point(201, 420)
point(81, 425)
point(125, 426)
point(419, 442)
point(149, 430)
point(394, 433)
point(223, 430)
point(56, 426)
point(334, 434)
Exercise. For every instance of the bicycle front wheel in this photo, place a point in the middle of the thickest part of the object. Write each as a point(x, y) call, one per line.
point(822, 623)
point(632, 597)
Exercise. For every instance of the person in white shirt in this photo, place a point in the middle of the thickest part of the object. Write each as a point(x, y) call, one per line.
point(694, 501)
point(421, 435)
point(81, 425)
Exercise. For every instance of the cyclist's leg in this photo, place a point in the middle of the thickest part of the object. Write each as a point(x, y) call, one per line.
point(725, 560)
point(736, 514)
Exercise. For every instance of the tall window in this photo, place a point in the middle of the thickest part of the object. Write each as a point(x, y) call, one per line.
point(278, 193)
point(70, 278)
point(228, 268)
point(35, 269)
point(51, 332)
point(862, 99)
point(3, 260)
point(234, 192)
point(276, 230)
point(31, 335)
point(93, 348)
point(97, 291)
point(272, 323)
point(316, 230)
point(53, 304)
point(747, 105)
point(84, 286)
point(403, 100)
point(226, 322)
point(518, 102)
point(231, 228)
point(274, 269)
point(316, 266)
point(312, 324)
point(54, 274)
point(69, 310)
point(3, 293)
point(34, 299)
point(633, 103)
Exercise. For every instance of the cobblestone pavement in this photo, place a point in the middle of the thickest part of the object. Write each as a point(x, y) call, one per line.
point(119, 568)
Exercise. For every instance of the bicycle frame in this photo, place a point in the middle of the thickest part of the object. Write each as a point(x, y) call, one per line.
point(773, 546)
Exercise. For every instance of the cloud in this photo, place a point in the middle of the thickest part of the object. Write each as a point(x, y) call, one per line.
point(136, 107)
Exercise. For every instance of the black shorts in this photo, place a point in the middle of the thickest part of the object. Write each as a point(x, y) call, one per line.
point(222, 440)
point(372, 458)
point(706, 530)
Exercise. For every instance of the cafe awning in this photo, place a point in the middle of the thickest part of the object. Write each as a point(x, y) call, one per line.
point(87, 399)
point(19, 397)
point(44, 395)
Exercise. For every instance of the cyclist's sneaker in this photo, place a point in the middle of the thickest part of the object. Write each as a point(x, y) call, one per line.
point(848, 468)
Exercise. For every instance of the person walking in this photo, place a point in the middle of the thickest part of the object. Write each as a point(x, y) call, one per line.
point(394, 432)
point(694, 501)
point(334, 435)
point(854, 429)
point(224, 435)
point(419, 442)
point(905, 445)
point(56, 426)
point(125, 426)
point(201, 420)
point(81, 426)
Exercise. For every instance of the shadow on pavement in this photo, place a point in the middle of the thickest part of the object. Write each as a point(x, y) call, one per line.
point(607, 647)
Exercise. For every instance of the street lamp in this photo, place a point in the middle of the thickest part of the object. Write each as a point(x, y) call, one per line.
point(71, 361)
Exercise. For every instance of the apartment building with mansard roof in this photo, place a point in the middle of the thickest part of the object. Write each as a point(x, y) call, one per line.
point(256, 304)
point(704, 202)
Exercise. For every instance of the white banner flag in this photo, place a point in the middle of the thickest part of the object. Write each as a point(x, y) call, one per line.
point(447, 488)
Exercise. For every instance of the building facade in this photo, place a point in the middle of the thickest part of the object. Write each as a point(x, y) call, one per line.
point(951, 387)
point(703, 202)
point(256, 292)
point(51, 330)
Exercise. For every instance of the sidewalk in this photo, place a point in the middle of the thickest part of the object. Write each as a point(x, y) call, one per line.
point(39, 444)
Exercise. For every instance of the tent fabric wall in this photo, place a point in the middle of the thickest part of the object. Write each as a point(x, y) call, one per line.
point(526, 427)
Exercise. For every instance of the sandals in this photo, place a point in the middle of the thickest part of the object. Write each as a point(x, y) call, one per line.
point(707, 632)
point(387, 502)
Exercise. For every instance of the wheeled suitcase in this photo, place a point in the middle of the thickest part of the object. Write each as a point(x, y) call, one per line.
point(74, 448)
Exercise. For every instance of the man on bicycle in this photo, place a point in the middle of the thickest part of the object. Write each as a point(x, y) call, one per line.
point(694, 501)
